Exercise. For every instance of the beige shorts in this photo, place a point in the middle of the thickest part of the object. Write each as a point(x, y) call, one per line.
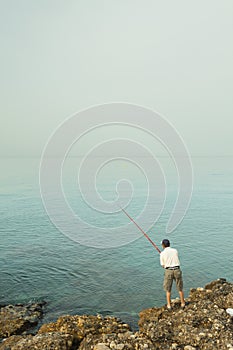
point(169, 276)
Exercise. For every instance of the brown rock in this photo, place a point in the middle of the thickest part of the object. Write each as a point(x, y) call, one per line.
point(80, 326)
point(15, 319)
point(203, 324)
point(128, 340)
point(56, 341)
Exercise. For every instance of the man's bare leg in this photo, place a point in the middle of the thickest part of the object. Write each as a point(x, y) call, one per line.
point(181, 293)
point(168, 294)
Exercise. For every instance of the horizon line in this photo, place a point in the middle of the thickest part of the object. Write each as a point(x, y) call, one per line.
point(109, 155)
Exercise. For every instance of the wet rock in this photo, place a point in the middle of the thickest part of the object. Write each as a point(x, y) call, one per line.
point(15, 319)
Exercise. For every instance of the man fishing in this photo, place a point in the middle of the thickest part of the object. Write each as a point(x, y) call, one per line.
point(169, 260)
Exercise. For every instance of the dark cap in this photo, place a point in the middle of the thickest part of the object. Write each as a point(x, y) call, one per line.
point(166, 242)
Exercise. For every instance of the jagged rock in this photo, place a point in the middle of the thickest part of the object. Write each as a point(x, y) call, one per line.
point(219, 292)
point(204, 324)
point(67, 333)
point(15, 319)
point(81, 326)
point(46, 341)
point(126, 340)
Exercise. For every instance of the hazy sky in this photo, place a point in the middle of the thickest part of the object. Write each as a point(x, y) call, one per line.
point(58, 57)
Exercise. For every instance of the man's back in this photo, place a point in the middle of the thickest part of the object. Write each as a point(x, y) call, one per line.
point(169, 257)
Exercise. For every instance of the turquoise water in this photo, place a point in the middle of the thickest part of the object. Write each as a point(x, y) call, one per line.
point(39, 262)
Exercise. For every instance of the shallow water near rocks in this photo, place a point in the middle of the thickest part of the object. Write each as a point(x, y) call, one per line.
point(38, 262)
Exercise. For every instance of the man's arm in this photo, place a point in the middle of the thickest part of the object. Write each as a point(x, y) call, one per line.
point(162, 261)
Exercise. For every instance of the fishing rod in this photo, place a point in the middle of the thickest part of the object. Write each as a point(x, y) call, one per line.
point(154, 245)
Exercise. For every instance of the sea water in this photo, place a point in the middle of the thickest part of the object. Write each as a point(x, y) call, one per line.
point(38, 262)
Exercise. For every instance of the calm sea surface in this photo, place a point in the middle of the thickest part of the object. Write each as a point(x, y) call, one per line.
point(38, 262)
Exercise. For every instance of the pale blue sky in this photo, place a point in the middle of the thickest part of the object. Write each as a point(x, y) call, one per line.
point(58, 57)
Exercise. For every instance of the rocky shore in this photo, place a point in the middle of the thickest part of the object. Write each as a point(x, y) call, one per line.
point(205, 323)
